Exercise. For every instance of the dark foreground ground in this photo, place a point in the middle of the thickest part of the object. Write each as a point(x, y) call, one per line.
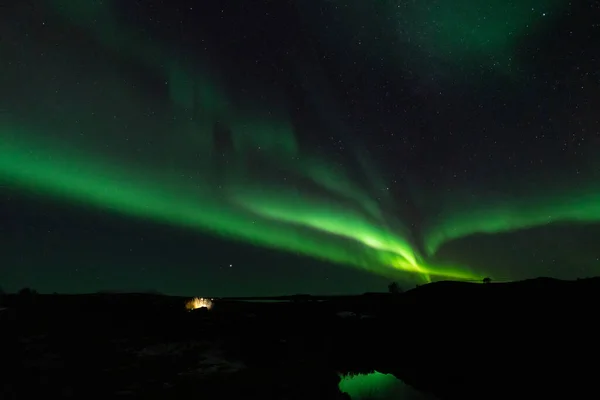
point(532, 339)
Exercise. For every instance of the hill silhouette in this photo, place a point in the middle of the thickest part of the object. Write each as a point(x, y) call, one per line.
point(454, 340)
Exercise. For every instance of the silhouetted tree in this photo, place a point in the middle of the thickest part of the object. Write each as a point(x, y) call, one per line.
point(487, 280)
point(394, 288)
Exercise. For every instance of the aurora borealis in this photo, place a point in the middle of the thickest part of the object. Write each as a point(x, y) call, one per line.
point(353, 143)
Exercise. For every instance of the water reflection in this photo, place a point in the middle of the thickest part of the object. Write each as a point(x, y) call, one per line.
point(378, 386)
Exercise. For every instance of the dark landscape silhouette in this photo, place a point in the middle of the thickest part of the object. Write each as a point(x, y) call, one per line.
point(448, 340)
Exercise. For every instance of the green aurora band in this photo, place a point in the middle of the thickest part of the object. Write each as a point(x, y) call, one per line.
point(163, 166)
point(166, 169)
point(245, 208)
point(474, 215)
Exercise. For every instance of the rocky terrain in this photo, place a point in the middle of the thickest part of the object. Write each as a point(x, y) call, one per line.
point(451, 340)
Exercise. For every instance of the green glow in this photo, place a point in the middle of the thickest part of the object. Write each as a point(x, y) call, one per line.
point(264, 134)
point(321, 227)
point(490, 31)
point(328, 218)
point(447, 33)
point(101, 142)
point(376, 386)
point(492, 215)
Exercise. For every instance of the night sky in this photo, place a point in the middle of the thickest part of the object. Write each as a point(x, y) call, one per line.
point(240, 147)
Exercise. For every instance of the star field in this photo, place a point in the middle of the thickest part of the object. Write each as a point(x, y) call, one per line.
point(274, 147)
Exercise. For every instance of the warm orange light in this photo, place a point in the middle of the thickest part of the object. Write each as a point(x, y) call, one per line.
point(198, 302)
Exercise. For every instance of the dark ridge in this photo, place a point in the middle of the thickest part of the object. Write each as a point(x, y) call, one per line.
point(454, 340)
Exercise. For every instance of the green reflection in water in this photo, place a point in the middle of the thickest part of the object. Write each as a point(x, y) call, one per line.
point(378, 386)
